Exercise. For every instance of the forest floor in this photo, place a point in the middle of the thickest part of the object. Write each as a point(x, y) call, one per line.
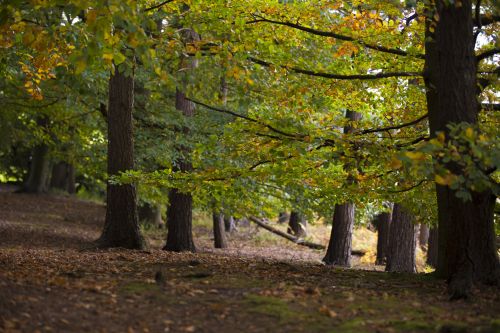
point(52, 280)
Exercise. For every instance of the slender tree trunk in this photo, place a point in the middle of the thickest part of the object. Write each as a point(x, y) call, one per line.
point(432, 250)
point(423, 236)
point(220, 241)
point(340, 244)
point(467, 252)
point(121, 228)
point(402, 242)
point(297, 225)
point(382, 223)
point(39, 172)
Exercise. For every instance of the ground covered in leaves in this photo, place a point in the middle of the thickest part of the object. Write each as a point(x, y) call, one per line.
point(52, 280)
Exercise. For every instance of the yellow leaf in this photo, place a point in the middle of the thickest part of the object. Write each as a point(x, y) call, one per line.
point(441, 137)
point(469, 132)
point(415, 155)
point(396, 163)
point(445, 180)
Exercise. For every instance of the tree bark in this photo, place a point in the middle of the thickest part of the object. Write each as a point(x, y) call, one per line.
point(39, 172)
point(467, 252)
point(63, 177)
point(382, 222)
point(179, 212)
point(423, 236)
point(121, 228)
point(432, 250)
point(220, 241)
point(340, 244)
point(402, 242)
point(297, 225)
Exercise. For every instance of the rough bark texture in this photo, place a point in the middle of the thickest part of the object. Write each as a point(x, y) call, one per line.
point(382, 222)
point(432, 250)
point(340, 244)
point(63, 177)
point(402, 242)
point(423, 236)
point(39, 172)
point(220, 241)
point(297, 224)
point(121, 228)
point(467, 252)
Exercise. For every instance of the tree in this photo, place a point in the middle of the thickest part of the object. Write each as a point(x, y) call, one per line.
point(467, 252)
point(340, 245)
point(402, 241)
point(220, 241)
point(297, 224)
point(382, 222)
point(121, 227)
point(432, 249)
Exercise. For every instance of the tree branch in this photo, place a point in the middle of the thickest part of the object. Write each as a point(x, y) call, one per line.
point(487, 54)
point(332, 34)
point(338, 76)
point(253, 120)
point(158, 5)
point(384, 129)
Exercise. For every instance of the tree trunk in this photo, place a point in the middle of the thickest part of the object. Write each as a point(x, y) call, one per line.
point(402, 242)
point(423, 236)
point(229, 225)
point(432, 250)
point(467, 252)
point(340, 245)
point(297, 225)
point(382, 223)
point(63, 177)
point(121, 228)
point(39, 170)
point(179, 212)
point(220, 241)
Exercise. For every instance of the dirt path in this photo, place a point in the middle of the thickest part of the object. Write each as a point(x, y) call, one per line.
point(50, 283)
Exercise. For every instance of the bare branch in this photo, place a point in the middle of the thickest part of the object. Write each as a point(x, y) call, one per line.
point(384, 129)
point(487, 54)
point(339, 76)
point(158, 5)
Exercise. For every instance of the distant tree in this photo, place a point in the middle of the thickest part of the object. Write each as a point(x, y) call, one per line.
point(432, 249)
point(297, 224)
point(382, 223)
point(220, 241)
point(402, 241)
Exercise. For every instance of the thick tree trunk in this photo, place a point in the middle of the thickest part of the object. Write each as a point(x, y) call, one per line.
point(297, 224)
point(63, 177)
point(467, 250)
point(340, 245)
point(39, 172)
point(423, 236)
point(382, 222)
point(220, 241)
point(121, 228)
point(229, 225)
point(402, 242)
point(179, 212)
point(432, 250)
